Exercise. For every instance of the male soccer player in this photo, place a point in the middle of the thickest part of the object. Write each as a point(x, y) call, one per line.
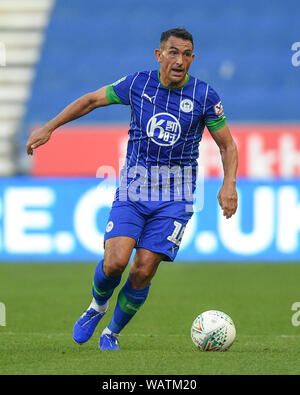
point(169, 110)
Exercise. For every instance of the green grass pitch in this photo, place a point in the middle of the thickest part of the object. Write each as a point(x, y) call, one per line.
point(43, 302)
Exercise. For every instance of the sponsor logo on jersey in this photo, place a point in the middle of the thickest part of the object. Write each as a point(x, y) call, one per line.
point(148, 97)
point(186, 105)
point(109, 226)
point(163, 129)
point(218, 108)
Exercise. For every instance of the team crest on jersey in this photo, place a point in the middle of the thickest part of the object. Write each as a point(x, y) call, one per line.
point(163, 129)
point(219, 109)
point(186, 105)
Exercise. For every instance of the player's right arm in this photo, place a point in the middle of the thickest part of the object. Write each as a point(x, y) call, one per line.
point(80, 107)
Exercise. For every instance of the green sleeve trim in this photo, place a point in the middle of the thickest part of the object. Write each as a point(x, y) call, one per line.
point(215, 124)
point(111, 96)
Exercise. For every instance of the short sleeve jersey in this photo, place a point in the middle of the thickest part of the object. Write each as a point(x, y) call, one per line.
point(166, 125)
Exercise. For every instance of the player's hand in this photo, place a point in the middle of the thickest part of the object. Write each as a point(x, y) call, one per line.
point(37, 138)
point(228, 199)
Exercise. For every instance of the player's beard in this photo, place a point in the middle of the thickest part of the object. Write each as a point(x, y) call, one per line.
point(177, 78)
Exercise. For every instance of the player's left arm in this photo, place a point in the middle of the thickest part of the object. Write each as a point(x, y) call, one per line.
point(227, 196)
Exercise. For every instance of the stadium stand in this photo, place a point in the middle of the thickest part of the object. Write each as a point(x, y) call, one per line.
point(21, 35)
point(89, 44)
point(244, 50)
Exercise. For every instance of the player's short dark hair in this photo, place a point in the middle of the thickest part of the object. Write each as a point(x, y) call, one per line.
point(176, 32)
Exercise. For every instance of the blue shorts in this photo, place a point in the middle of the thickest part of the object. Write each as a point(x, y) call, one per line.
point(156, 226)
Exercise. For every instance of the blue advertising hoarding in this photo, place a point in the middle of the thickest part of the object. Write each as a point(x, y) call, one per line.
point(60, 219)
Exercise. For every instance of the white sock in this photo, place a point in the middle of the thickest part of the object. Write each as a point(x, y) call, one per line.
point(100, 308)
point(107, 331)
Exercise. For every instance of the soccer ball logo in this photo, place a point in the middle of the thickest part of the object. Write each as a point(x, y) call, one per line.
point(213, 330)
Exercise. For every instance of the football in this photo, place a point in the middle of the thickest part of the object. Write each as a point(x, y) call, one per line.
point(213, 330)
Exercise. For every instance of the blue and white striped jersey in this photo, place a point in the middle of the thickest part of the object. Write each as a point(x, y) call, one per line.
point(166, 124)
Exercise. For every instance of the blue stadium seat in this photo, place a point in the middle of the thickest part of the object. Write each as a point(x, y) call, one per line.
point(243, 50)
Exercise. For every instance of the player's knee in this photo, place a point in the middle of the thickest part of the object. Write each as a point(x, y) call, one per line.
point(141, 275)
point(142, 271)
point(115, 264)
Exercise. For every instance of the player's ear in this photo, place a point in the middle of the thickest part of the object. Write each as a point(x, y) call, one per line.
point(192, 57)
point(157, 54)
